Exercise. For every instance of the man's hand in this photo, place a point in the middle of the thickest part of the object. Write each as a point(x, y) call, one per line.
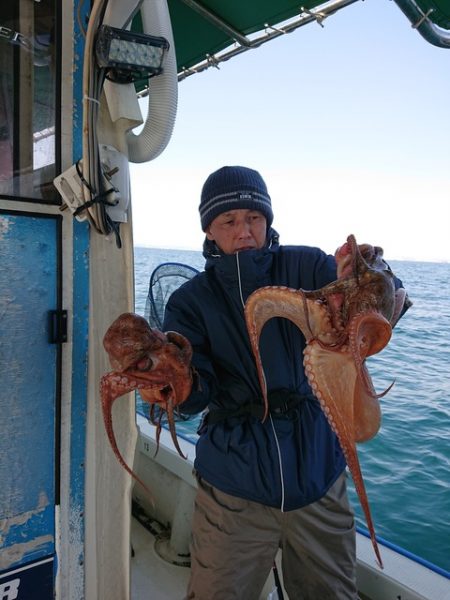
point(344, 259)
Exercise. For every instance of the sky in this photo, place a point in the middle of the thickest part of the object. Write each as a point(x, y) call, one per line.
point(348, 124)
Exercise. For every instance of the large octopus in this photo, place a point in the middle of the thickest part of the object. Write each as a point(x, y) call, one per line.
point(155, 363)
point(343, 323)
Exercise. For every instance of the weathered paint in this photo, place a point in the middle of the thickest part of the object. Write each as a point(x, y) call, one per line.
point(14, 555)
point(7, 524)
point(76, 534)
point(4, 226)
point(75, 570)
point(28, 394)
point(79, 390)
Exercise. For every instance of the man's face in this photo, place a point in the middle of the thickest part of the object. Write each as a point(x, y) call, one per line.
point(238, 230)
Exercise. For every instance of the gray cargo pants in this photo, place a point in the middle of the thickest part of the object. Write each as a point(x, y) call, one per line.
point(234, 543)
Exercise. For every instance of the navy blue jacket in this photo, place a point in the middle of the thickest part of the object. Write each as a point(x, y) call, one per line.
point(289, 460)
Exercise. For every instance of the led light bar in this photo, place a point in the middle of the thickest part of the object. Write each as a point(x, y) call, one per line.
point(129, 56)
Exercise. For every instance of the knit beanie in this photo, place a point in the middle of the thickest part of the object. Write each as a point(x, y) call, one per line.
point(230, 188)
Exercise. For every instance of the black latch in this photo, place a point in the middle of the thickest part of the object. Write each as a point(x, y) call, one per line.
point(57, 326)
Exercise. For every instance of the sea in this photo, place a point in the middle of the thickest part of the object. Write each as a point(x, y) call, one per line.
point(406, 467)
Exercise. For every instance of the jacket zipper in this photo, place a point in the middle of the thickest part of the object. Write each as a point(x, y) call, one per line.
point(280, 463)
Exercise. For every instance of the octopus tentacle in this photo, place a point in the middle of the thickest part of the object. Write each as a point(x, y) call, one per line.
point(112, 386)
point(276, 301)
point(351, 457)
point(352, 418)
point(171, 421)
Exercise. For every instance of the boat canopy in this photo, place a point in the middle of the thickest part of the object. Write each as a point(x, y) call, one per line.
point(211, 31)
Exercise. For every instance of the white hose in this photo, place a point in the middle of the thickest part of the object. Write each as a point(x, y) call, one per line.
point(163, 90)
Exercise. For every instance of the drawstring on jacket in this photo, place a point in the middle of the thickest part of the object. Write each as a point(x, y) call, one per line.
point(280, 464)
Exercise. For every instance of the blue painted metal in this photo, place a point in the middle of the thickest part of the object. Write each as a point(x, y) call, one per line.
point(80, 322)
point(79, 387)
point(28, 390)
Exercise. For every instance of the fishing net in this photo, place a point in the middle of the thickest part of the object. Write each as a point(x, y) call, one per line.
point(165, 279)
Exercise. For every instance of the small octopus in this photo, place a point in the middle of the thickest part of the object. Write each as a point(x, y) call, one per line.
point(145, 359)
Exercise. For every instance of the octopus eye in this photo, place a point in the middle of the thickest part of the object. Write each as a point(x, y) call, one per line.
point(145, 364)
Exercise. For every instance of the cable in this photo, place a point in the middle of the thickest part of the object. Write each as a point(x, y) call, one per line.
point(95, 192)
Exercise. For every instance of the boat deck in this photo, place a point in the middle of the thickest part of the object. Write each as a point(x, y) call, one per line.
point(156, 579)
point(152, 578)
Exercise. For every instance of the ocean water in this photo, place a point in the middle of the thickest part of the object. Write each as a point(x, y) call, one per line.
point(406, 467)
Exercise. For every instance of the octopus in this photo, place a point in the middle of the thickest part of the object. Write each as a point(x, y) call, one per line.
point(343, 323)
point(145, 359)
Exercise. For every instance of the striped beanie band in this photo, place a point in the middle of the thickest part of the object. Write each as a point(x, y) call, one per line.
point(230, 188)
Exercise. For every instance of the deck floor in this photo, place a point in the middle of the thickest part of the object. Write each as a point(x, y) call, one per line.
point(152, 578)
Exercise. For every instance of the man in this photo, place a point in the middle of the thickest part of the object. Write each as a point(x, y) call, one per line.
point(261, 485)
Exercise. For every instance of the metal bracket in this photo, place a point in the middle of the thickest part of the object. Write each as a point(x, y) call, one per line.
point(318, 16)
point(422, 19)
point(57, 326)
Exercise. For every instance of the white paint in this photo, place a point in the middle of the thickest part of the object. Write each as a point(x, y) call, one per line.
point(108, 485)
point(9, 590)
point(26, 567)
point(4, 226)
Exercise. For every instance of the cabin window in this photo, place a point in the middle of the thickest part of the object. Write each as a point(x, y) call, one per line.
point(28, 103)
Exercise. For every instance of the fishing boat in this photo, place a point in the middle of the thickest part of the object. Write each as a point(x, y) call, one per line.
point(72, 524)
